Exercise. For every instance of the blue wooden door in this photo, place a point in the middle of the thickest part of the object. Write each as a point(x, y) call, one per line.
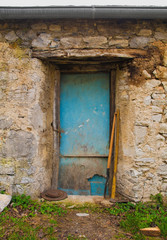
point(84, 125)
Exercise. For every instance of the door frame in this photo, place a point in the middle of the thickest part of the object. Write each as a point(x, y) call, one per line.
point(56, 120)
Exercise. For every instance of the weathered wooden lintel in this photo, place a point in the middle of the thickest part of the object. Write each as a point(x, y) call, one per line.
point(88, 54)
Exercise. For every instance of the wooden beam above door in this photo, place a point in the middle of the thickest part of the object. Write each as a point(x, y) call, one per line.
point(101, 55)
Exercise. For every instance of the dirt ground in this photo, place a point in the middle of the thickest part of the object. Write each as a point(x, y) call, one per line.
point(99, 226)
point(17, 223)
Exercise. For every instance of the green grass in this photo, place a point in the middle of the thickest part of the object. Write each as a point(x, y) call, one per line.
point(18, 228)
point(27, 219)
point(141, 215)
point(23, 225)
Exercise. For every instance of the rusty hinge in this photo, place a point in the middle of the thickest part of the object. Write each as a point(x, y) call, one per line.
point(55, 129)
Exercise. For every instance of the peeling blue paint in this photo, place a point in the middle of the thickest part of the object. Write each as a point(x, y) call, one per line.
point(97, 184)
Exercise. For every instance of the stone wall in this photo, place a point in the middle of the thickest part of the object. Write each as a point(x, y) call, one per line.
point(27, 93)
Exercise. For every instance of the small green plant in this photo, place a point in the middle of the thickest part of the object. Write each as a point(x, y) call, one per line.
point(25, 202)
point(52, 221)
point(21, 200)
point(162, 224)
point(50, 230)
point(2, 192)
point(121, 208)
point(157, 198)
point(48, 208)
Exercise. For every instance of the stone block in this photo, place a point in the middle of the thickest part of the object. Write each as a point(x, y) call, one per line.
point(30, 170)
point(42, 41)
point(134, 173)
point(145, 32)
point(36, 117)
point(139, 42)
point(159, 90)
point(163, 128)
point(164, 187)
point(140, 134)
point(147, 148)
point(160, 141)
point(150, 175)
point(150, 84)
point(4, 75)
point(31, 94)
point(54, 44)
point(35, 77)
point(146, 74)
point(158, 96)
point(156, 117)
point(162, 170)
point(2, 95)
point(12, 76)
point(151, 231)
point(144, 169)
point(158, 103)
point(38, 43)
point(26, 36)
point(20, 144)
point(5, 122)
point(1, 37)
point(165, 58)
point(156, 109)
point(160, 137)
point(39, 26)
point(164, 83)
point(139, 152)
point(7, 166)
point(11, 36)
point(4, 201)
point(26, 180)
point(95, 42)
point(119, 43)
point(55, 28)
point(71, 42)
point(147, 100)
point(144, 161)
point(6, 181)
point(160, 35)
point(128, 151)
point(165, 117)
point(141, 123)
point(124, 96)
point(161, 72)
point(22, 94)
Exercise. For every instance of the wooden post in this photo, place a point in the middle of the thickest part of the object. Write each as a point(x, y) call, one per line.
point(112, 111)
point(56, 128)
point(116, 158)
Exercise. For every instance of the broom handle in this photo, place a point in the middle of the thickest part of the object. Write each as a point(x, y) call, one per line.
point(111, 143)
point(116, 158)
